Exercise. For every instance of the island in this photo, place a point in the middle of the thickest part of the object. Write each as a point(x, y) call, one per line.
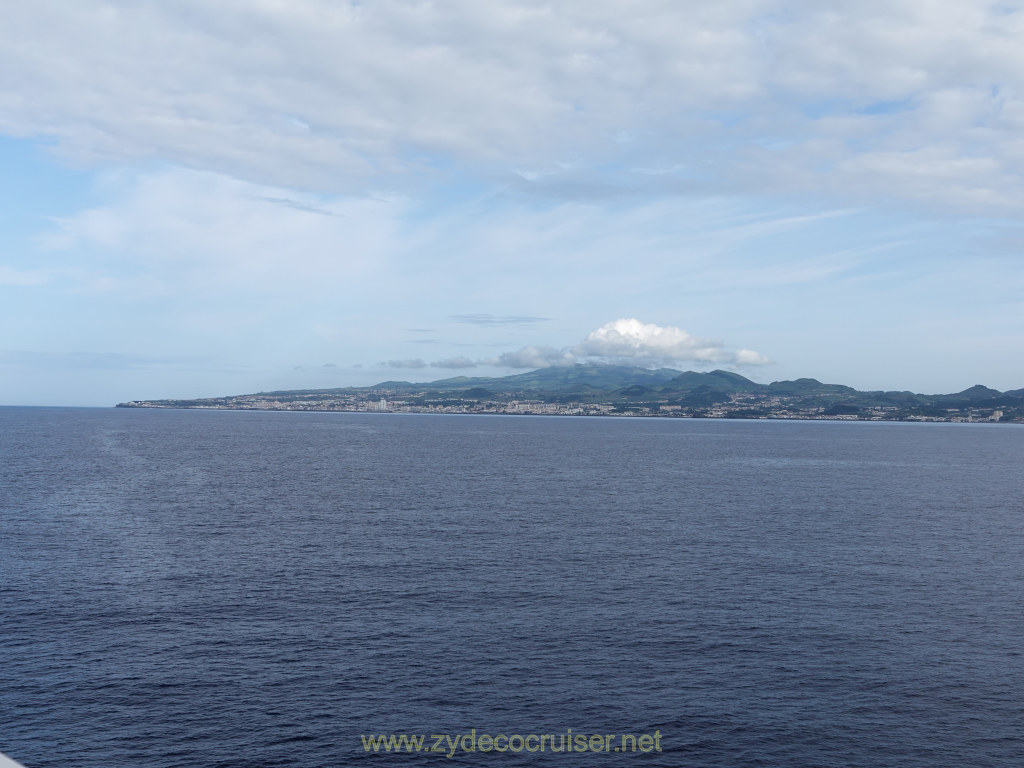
point(614, 390)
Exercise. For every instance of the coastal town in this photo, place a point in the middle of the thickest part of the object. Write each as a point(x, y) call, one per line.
point(802, 399)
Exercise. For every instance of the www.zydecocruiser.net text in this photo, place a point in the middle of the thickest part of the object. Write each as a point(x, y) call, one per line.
point(450, 744)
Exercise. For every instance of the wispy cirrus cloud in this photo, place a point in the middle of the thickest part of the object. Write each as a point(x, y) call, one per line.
point(485, 319)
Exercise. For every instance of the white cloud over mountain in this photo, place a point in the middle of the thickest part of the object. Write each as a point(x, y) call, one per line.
point(631, 340)
point(626, 341)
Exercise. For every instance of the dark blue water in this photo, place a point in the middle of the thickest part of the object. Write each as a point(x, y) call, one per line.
point(250, 590)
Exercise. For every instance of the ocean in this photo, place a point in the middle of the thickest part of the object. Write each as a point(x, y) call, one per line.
point(227, 589)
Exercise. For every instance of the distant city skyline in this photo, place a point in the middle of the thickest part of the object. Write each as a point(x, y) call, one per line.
point(205, 200)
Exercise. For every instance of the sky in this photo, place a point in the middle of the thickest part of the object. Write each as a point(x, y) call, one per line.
point(201, 199)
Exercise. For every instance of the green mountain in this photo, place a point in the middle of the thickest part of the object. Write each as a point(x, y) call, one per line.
point(718, 381)
point(808, 386)
point(600, 378)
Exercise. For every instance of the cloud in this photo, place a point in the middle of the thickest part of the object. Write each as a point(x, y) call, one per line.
point(21, 277)
point(485, 319)
point(288, 202)
point(416, 363)
point(532, 357)
point(564, 98)
point(454, 362)
point(630, 342)
point(629, 339)
point(750, 357)
point(197, 233)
